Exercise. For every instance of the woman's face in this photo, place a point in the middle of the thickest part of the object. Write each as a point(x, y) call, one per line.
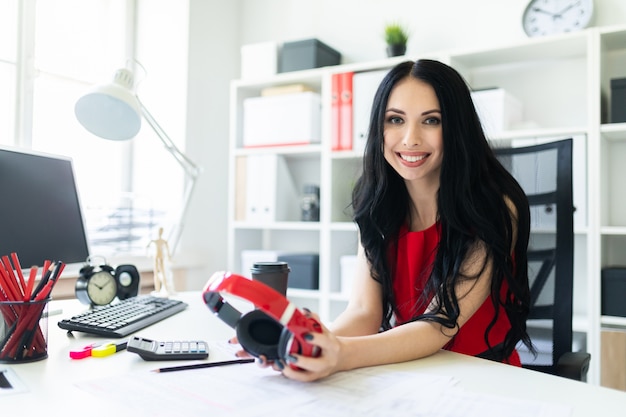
point(412, 131)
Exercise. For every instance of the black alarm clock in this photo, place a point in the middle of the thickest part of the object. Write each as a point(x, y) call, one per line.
point(99, 285)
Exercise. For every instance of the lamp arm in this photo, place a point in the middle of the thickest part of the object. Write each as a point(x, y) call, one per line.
point(178, 228)
point(191, 169)
point(187, 164)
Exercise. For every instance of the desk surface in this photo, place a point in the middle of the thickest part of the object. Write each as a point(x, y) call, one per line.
point(52, 385)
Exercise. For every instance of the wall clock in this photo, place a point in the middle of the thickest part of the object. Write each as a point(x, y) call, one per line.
point(551, 17)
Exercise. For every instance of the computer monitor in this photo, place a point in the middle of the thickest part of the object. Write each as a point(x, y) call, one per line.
point(40, 213)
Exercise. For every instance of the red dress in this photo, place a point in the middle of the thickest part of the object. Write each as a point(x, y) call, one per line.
point(416, 253)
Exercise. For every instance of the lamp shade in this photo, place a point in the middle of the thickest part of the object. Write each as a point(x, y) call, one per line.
point(111, 111)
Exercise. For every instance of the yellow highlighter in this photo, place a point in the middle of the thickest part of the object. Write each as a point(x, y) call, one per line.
point(108, 349)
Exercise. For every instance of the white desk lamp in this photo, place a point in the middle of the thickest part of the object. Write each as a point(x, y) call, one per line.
point(113, 111)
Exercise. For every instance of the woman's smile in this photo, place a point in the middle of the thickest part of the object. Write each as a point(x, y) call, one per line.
point(412, 159)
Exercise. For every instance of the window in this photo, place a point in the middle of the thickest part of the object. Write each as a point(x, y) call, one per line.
point(128, 189)
point(8, 58)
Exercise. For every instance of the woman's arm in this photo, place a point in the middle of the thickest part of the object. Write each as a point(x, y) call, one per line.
point(364, 312)
point(344, 351)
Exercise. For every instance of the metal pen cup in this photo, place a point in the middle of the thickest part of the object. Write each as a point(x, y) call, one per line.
point(23, 331)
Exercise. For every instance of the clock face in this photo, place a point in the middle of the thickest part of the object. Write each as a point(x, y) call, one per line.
point(549, 17)
point(102, 288)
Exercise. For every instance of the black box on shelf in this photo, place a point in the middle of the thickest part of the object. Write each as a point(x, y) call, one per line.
point(306, 54)
point(613, 292)
point(304, 268)
point(618, 100)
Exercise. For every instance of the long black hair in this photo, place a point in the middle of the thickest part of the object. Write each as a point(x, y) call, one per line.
point(472, 207)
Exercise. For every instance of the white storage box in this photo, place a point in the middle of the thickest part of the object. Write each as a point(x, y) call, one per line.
point(287, 119)
point(498, 110)
point(364, 86)
point(348, 266)
point(259, 60)
point(271, 194)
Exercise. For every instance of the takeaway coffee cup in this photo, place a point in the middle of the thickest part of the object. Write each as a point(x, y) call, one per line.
point(272, 274)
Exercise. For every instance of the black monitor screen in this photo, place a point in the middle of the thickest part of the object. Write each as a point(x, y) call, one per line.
point(40, 214)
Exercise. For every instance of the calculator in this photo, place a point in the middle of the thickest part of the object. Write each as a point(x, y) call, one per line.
point(152, 350)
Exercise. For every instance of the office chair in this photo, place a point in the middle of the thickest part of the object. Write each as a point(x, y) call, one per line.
point(545, 173)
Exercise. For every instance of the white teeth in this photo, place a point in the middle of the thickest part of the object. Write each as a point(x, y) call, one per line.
point(412, 158)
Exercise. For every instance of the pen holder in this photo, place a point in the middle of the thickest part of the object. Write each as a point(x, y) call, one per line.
point(23, 331)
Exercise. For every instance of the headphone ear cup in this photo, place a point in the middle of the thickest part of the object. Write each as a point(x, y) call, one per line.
point(285, 344)
point(259, 334)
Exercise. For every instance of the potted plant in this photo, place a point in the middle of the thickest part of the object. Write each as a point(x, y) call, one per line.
point(396, 37)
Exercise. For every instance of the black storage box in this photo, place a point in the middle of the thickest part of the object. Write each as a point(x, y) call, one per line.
point(613, 294)
point(306, 54)
point(304, 270)
point(618, 100)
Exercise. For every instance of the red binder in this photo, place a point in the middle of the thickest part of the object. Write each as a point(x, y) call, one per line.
point(345, 111)
point(334, 108)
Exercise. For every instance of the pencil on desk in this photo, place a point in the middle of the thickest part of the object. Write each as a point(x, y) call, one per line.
point(203, 365)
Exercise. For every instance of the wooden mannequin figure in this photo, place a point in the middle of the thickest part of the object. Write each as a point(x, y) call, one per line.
point(163, 283)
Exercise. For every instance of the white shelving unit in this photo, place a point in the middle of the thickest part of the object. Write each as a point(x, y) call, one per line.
point(563, 83)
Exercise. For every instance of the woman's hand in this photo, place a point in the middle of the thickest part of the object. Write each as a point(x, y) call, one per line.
point(309, 368)
point(314, 368)
point(261, 360)
point(240, 353)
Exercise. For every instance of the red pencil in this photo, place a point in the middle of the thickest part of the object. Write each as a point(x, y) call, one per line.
point(11, 275)
point(54, 275)
point(18, 268)
point(45, 276)
point(31, 283)
point(7, 284)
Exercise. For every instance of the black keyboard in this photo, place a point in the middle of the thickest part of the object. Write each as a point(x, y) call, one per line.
point(123, 318)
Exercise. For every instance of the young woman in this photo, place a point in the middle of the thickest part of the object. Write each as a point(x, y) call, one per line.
point(443, 235)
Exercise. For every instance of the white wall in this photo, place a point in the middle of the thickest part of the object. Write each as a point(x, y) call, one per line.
point(213, 63)
point(353, 27)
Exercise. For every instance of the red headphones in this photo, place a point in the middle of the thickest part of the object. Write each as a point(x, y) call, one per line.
point(275, 329)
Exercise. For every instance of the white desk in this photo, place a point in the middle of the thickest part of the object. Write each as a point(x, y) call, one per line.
point(52, 384)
